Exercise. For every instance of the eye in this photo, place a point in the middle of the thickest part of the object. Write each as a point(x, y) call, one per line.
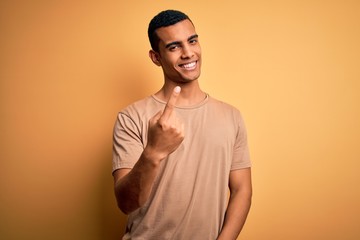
point(193, 41)
point(173, 47)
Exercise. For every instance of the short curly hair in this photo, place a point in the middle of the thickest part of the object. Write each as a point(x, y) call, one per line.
point(163, 19)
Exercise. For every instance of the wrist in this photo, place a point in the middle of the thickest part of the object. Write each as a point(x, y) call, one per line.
point(151, 156)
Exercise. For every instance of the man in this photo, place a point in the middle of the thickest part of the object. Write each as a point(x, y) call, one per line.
point(178, 152)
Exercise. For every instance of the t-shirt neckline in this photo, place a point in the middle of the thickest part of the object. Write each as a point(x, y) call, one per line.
point(203, 102)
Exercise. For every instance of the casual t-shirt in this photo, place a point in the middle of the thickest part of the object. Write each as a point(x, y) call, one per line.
point(190, 193)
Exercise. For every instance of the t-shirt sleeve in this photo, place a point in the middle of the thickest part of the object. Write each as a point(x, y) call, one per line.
point(241, 156)
point(127, 143)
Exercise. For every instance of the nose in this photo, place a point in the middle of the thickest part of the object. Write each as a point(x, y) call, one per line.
point(187, 52)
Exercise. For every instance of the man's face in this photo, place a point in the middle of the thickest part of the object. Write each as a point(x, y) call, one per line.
point(179, 52)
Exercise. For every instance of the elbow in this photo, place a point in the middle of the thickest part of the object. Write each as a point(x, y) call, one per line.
point(126, 205)
point(248, 196)
point(123, 209)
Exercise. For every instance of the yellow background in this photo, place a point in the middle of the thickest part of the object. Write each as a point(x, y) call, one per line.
point(68, 67)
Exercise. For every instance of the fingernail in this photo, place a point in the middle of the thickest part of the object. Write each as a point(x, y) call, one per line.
point(177, 89)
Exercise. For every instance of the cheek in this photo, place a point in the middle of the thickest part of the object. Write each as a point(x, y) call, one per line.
point(170, 61)
point(198, 51)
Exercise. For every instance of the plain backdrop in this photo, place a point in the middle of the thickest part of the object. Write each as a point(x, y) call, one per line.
point(68, 67)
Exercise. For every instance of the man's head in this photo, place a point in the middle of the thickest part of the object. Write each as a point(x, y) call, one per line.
point(176, 46)
point(163, 19)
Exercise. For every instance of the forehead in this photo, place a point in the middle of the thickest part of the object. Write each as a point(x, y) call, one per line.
point(180, 31)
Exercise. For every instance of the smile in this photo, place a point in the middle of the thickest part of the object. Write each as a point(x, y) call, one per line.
point(189, 66)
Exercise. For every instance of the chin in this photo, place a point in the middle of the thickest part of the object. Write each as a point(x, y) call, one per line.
point(187, 79)
point(192, 77)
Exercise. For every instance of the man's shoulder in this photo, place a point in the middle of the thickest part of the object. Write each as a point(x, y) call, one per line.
point(139, 104)
point(225, 106)
point(140, 107)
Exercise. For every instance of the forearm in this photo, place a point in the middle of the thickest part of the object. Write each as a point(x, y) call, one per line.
point(133, 190)
point(239, 203)
point(236, 214)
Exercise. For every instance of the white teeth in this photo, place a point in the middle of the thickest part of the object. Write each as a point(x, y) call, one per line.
point(189, 65)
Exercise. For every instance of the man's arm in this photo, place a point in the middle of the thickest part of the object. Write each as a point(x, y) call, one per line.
point(133, 186)
point(165, 134)
point(239, 203)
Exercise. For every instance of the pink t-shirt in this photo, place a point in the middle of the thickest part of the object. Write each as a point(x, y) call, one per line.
point(190, 194)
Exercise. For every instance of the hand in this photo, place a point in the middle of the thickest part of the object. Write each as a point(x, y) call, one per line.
point(166, 131)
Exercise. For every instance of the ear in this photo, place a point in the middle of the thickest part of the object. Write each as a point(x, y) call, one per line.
point(155, 57)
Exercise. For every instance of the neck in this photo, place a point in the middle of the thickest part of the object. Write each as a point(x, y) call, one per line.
point(190, 95)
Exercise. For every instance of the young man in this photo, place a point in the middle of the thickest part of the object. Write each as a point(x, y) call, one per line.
point(178, 152)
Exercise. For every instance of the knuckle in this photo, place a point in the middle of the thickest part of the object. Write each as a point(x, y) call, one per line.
point(163, 125)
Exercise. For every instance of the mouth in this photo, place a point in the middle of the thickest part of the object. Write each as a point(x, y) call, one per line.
point(189, 66)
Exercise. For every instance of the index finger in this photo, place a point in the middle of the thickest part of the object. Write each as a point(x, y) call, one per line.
point(171, 102)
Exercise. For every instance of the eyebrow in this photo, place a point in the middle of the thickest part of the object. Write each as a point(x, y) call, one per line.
point(178, 42)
